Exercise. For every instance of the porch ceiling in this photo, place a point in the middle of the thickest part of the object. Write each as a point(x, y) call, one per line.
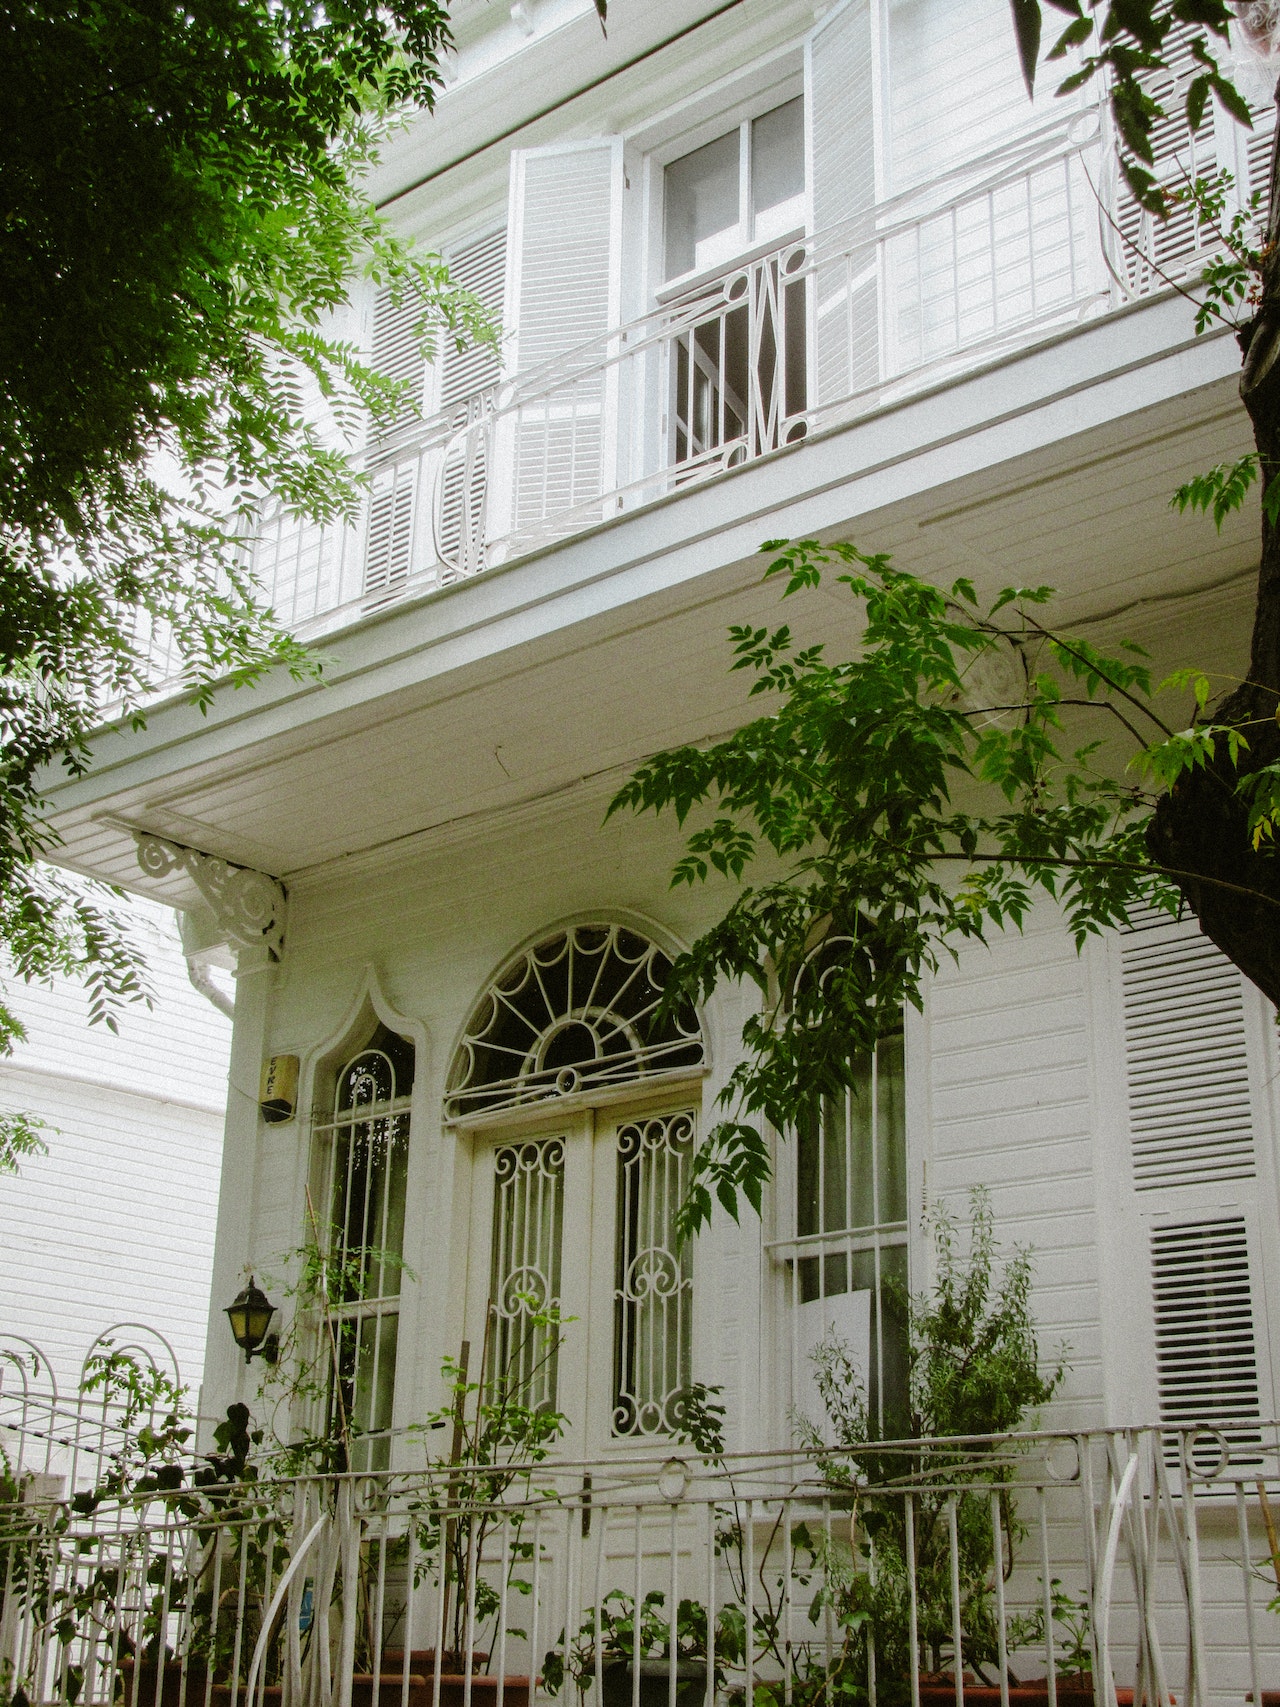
point(578, 661)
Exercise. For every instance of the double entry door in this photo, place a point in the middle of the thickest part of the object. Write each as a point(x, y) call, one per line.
point(577, 1288)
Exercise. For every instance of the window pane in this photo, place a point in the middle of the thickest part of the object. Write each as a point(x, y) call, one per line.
point(524, 1285)
point(652, 1360)
point(777, 156)
point(701, 204)
point(891, 1128)
point(367, 1358)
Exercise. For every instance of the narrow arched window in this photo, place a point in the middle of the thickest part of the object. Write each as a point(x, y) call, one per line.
point(363, 1158)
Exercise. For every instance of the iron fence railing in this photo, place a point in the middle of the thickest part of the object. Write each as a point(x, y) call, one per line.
point(1041, 1570)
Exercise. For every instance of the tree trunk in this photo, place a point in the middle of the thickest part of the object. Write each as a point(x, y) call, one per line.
point(1201, 826)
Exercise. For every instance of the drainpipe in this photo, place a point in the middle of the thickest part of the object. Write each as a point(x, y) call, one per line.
point(202, 978)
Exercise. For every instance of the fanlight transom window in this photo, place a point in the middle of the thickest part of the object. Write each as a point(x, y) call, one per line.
point(577, 1012)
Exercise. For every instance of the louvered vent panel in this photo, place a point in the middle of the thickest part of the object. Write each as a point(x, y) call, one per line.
point(1206, 1354)
point(481, 268)
point(397, 353)
point(389, 543)
point(1190, 1115)
point(839, 113)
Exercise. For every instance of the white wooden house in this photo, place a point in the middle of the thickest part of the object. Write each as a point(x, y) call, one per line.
point(116, 1222)
point(762, 272)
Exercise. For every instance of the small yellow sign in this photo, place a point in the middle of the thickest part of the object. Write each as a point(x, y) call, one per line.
point(278, 1092)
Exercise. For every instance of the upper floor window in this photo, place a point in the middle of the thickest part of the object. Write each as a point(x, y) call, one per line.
point(745, 188)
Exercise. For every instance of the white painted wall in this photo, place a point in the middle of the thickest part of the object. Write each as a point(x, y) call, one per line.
point(117, 1221)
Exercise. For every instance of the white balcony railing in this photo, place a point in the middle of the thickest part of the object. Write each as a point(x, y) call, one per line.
point(1040, 1570)
point(811, 333)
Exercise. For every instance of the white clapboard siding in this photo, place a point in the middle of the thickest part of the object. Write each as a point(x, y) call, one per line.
point(563, 292)
point(1186, 1060)
point(117, 1221)
point(1206, 1348)
point(840, 129)
point(1010, 1109)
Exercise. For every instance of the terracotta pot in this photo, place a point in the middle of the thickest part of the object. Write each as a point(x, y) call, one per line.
point(140, 1683)
point(1074, 1690)
point(655, 1683)
point(423, 1661)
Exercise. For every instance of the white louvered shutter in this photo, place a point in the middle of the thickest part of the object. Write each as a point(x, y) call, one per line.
point(840, 132)
point(396, 351)
point(388, 551)
point(562, 298)
point(479, 267)
point(1206, 1346)
point(1196, 1173)
point(1187, 1066)
point(1148, 247)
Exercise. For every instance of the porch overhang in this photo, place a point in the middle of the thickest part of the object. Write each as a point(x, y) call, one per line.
point(1052, 466)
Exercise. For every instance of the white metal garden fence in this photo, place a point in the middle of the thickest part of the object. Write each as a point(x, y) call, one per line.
point(1052, 1568)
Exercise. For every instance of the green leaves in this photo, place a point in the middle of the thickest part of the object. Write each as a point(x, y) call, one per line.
point(914, 797)
point(1131, 45)
point(1222, 490)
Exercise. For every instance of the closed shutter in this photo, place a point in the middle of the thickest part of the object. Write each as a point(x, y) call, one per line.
point(840, 122)
point(1198, 1179)
point(1206, 1349)
point(1150, 247)
point(388, 553)
point(563, 296)
point(479, 267)
point(396, 352)
point(1187, 1067)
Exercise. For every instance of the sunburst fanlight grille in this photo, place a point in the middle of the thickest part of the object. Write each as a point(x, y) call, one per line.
point(577, 1012)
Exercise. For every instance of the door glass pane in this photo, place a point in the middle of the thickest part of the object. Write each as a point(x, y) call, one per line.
point(702, 206)
point(777, 171)
point(653, 1291)
point(524, 1285)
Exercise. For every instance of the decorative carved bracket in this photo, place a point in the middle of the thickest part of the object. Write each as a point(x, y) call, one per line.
point(249, 905)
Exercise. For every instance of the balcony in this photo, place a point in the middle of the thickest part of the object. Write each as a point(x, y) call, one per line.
point(798, 340)
point(1051, 1569)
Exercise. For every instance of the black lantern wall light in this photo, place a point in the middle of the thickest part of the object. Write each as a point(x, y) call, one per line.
point(250, 1317)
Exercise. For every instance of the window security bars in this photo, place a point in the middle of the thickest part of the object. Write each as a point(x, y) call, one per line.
point(842, 1262)
point(528, 1229)
point(653, 1293)
point(1071, 1567)
point(362, 1155)
point(578, 1011)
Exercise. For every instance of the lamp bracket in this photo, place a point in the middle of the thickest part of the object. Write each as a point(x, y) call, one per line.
point(249, 905)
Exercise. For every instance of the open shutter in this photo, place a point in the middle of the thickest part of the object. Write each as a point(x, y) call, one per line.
point(1206, 1348)
point(479, 267)
point(563, 295)
point(840, 126)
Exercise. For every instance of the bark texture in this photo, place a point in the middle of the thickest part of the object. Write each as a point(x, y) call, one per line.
point(1200, 829)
